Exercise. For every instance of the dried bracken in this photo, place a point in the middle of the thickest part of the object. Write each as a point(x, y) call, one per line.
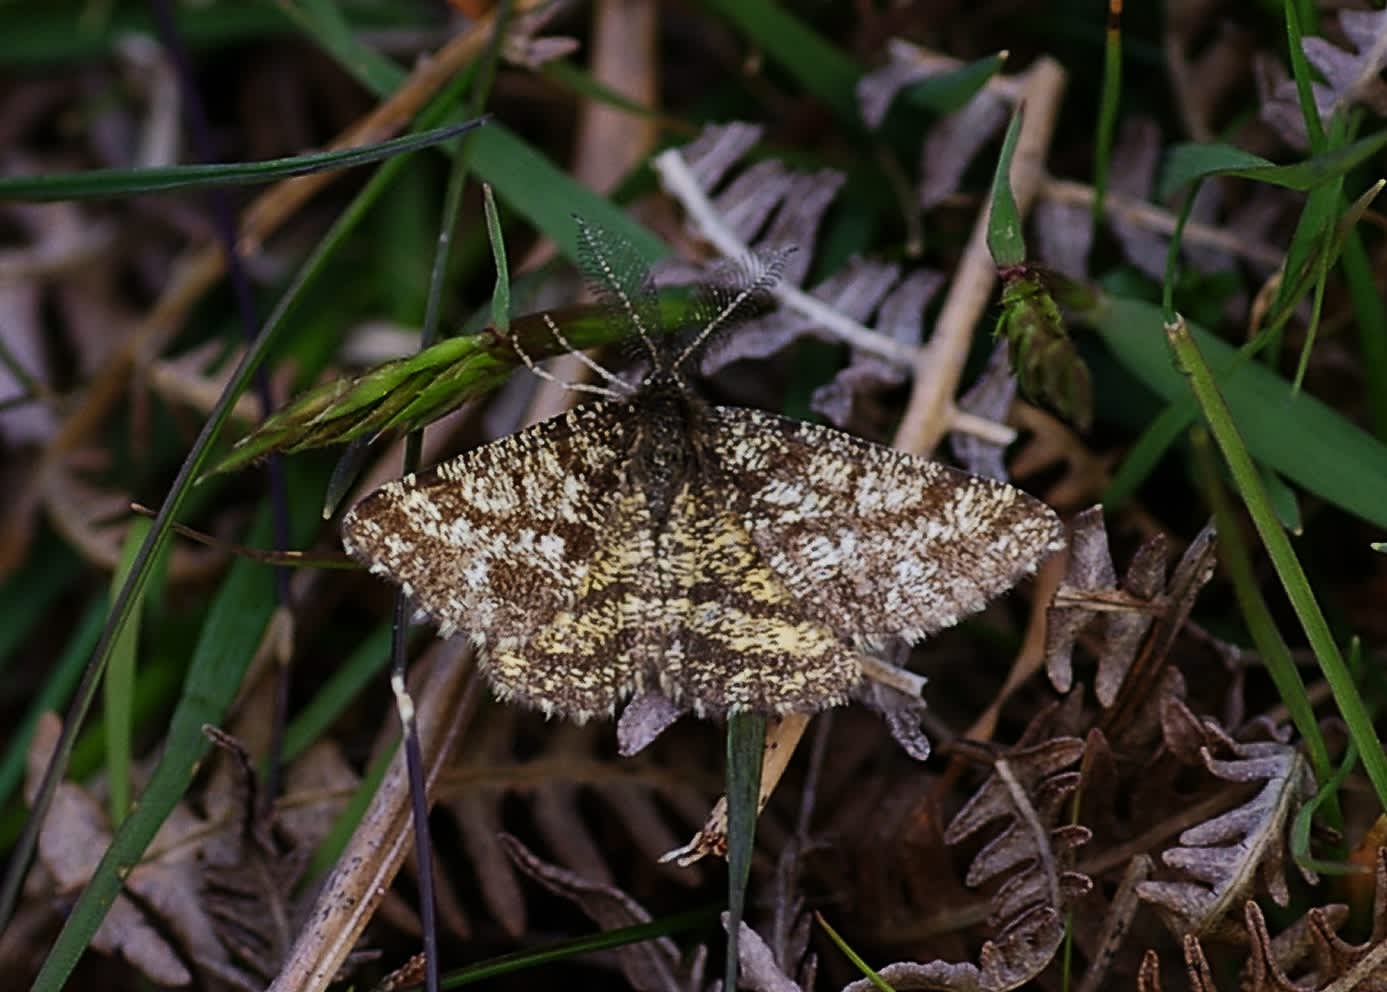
point(1139, 618)
point(768, 205)
point(1227, 855)
point(1352, 72)
point(1148, 811)
point(1026, 795)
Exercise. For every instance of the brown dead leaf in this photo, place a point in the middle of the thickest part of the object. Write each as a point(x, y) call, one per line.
point(161, 897)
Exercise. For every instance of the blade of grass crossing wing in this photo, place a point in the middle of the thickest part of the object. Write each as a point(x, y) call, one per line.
point(746, 740)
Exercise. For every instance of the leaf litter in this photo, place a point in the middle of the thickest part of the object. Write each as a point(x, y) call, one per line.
point(1148, 810)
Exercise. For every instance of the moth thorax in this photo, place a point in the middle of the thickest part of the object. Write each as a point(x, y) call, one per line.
point(662, 458)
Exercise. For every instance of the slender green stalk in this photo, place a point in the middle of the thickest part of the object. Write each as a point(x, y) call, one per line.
point(1283, 557)
point(1276, 656)
point(1107, 108)
point(861, 965)
point(119, 684)
point(620, 937)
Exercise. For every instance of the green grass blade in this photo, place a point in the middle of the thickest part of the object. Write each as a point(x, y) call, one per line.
point(1188, 162)
point(524, 960)
point(822, 69)
point(230, 635)
point(1321, 270)
point(746, 745)
point(1305, 258)
point(119, 684)
point(500, 295)
point(548, 197)
point(1300, 437)
point(107, 183)
point(1005, 240)
point(867, 971)
point(1276, 656)
point(1225, 428)
point(949, 91)
point(1300, 72)
point(1304, 820)
point(1109, 99)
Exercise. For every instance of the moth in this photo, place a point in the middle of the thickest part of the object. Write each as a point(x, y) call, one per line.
point(728, 558)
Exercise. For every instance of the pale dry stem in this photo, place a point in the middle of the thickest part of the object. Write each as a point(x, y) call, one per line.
point(1139, 213)
point(930, 413)
point(448, 699)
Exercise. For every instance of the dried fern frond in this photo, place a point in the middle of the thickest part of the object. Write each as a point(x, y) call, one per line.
point(1139, 618)
point(1032, 854)
point(1226, 855)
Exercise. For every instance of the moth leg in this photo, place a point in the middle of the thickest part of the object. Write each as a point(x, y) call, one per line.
point(577, 387)
point(621, 386)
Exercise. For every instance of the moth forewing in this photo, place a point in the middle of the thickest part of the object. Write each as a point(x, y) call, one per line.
point(730, 558)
